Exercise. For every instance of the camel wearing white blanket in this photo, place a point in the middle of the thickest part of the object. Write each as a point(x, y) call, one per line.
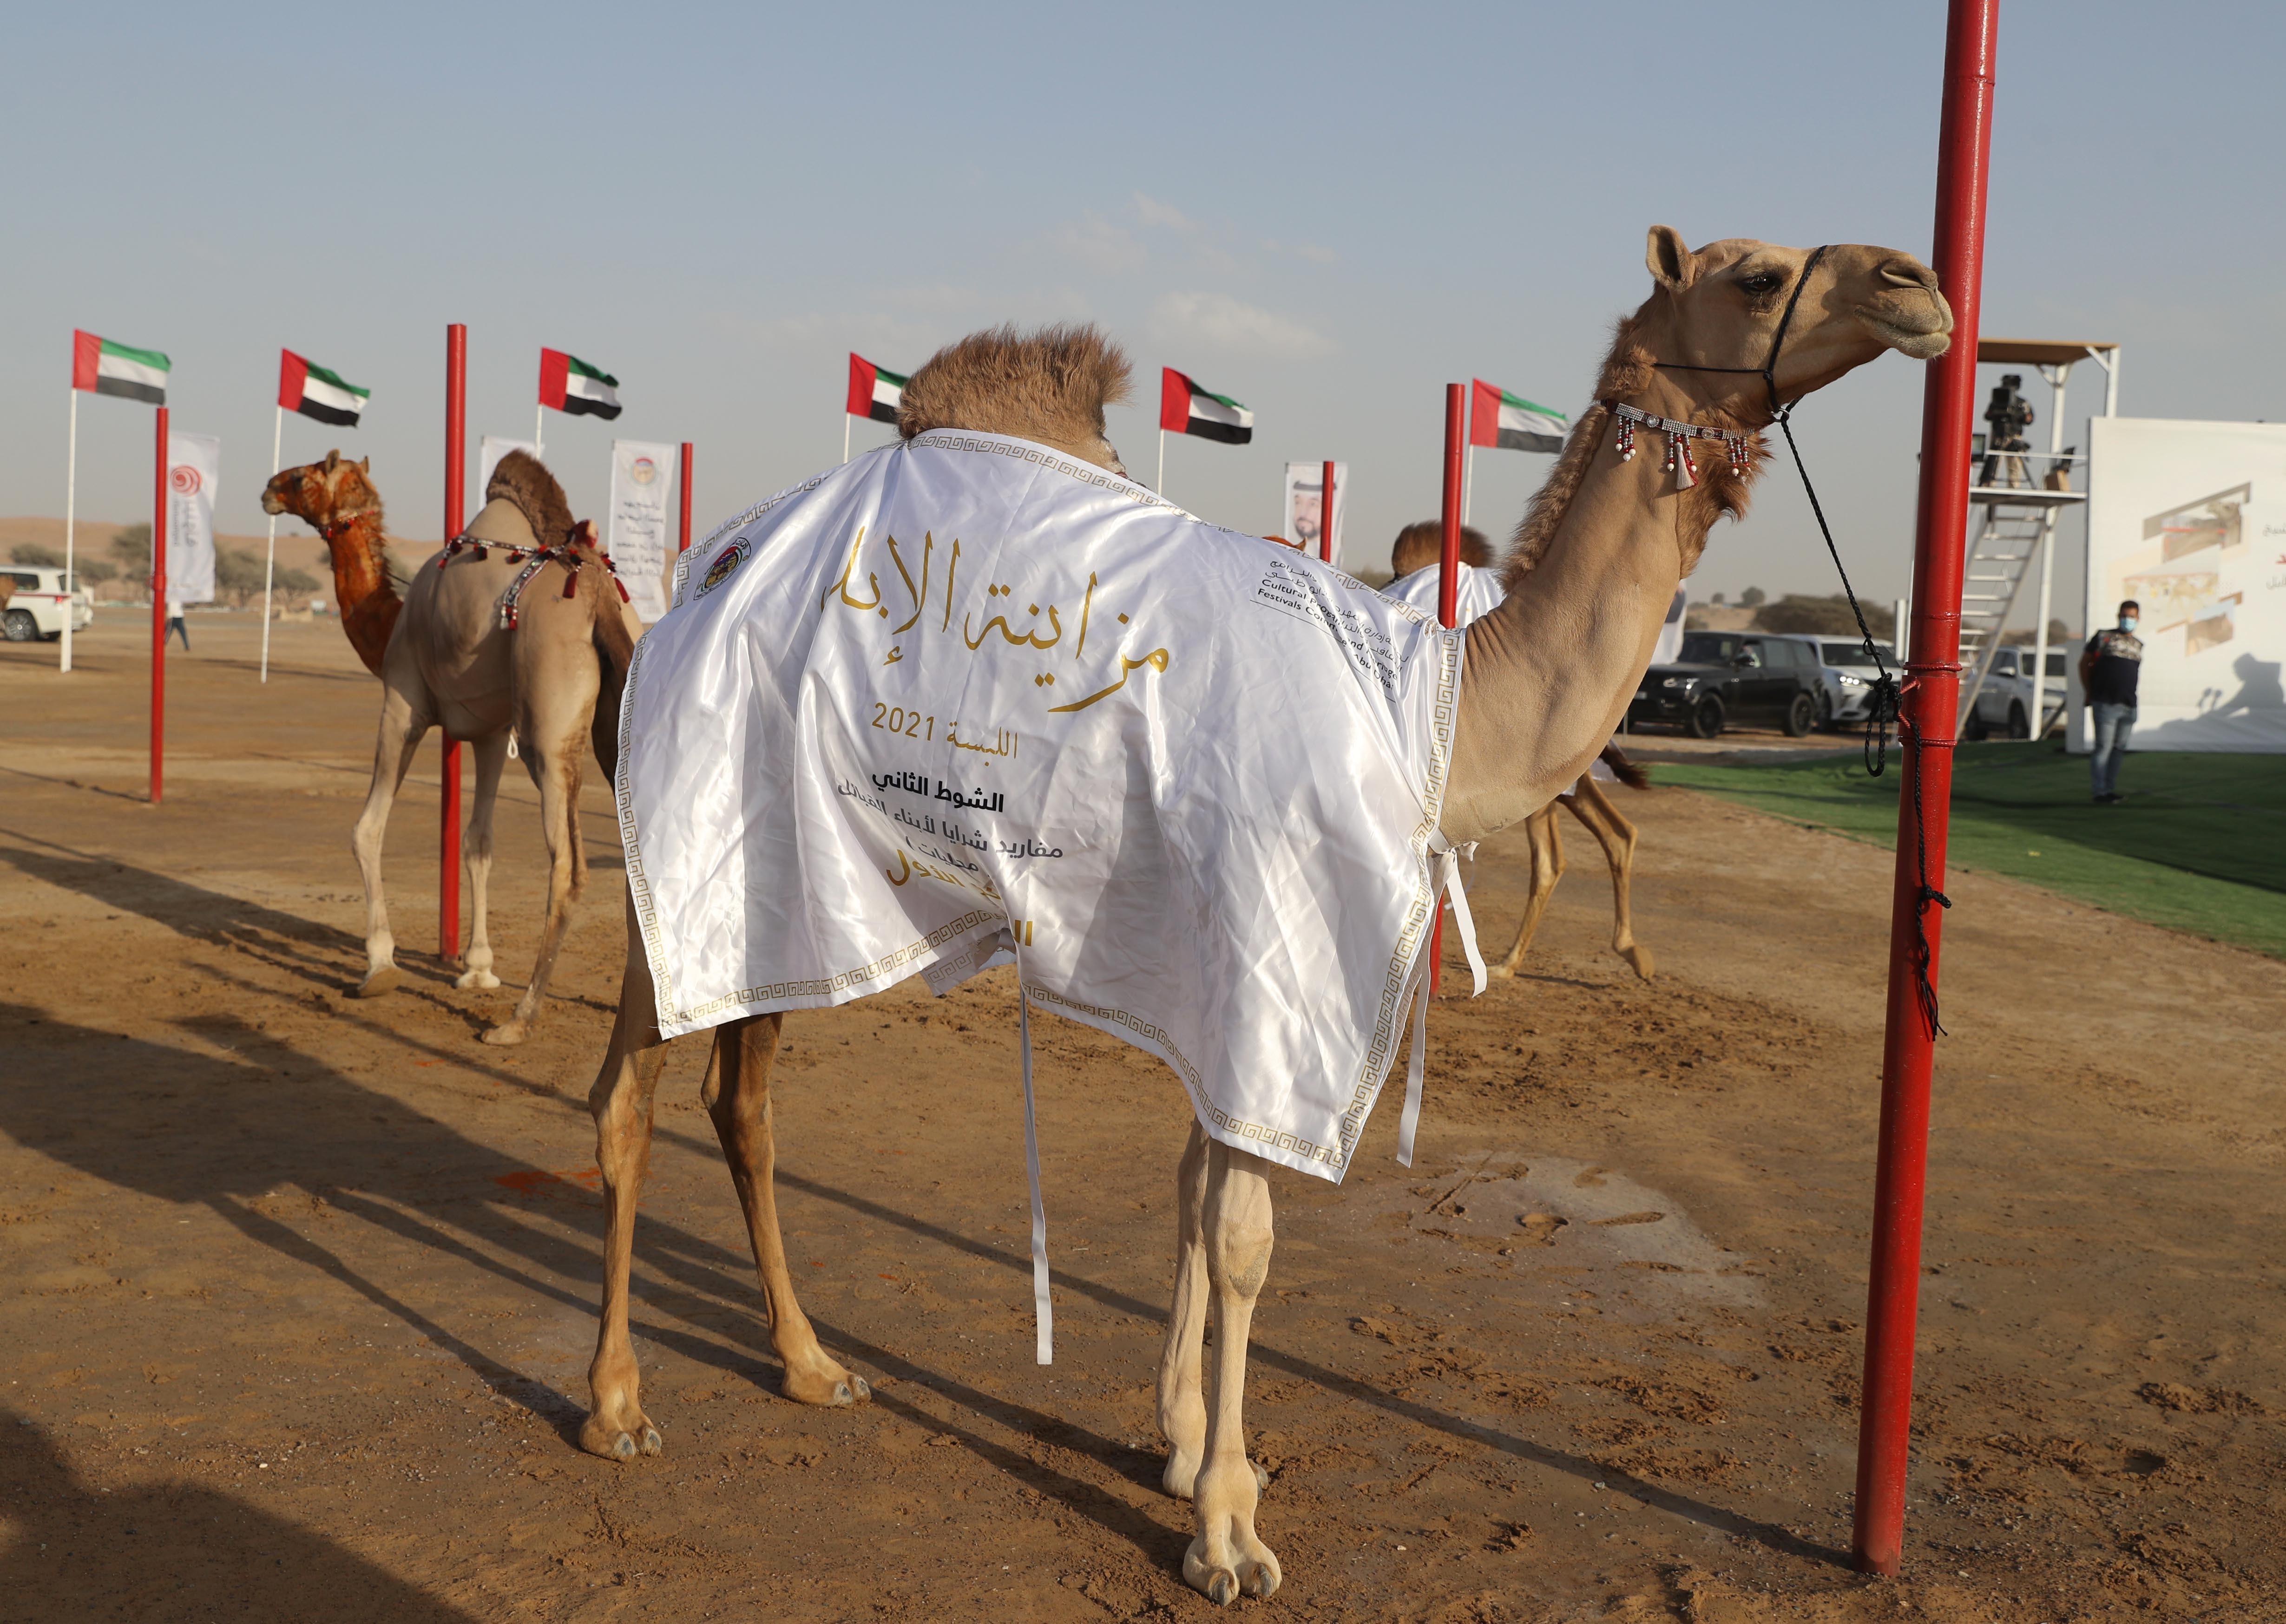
point(1421, 739)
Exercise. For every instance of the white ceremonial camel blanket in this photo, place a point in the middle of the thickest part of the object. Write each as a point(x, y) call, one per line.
point(966, 694)
point(1478, 591)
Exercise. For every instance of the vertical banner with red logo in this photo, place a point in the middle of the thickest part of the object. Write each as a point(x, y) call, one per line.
point(193, 463)
point(641, 544)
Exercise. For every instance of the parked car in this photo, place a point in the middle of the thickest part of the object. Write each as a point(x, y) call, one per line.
point(2005, 705)
point(1845, 676)
point(36, 609)
point(1724, 678)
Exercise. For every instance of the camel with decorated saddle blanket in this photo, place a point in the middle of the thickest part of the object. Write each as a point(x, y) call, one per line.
point(516, 639)
point(1547, 675)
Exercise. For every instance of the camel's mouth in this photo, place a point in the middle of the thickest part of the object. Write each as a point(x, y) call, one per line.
point(270, 504)
point(1919, 324)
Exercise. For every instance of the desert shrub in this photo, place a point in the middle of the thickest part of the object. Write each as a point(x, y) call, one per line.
point(44, 557)
point(1824, 616)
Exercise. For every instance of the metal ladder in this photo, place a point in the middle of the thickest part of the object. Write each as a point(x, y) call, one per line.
point(2000, 562)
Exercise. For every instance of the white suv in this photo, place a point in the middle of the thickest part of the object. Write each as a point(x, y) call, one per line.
point(36, 611)
point(2004, 703)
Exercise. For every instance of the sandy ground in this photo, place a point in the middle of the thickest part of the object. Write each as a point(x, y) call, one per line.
point(298, 1290)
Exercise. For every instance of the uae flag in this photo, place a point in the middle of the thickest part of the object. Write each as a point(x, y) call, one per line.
point(105, 368)
point(1185, 407)
point(568, 384)
point(1512, 422)
point(874, 392)
point(308, 389)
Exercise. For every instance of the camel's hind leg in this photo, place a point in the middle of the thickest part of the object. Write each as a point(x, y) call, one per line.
point(737, 1097)
point(621, 1102)
point(1225, 1560)
point(1616, 837)
point(558, 778)
point(405, 715)
point(1547, 848)
point(491, 757)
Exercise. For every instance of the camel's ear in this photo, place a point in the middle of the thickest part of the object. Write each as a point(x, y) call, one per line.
point(1671, 262)
point(333, 461)
point(366, 467)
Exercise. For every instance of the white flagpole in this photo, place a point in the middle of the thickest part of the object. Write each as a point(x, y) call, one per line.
point(270, 567)
point(845, 436)
point(1161, 486)
point(71, 500)
point(538, 417)
point(1468, 481)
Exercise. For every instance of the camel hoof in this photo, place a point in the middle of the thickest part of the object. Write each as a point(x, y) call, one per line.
point(505, 1036)
point(1639, 959)
point(475, 979)
point(1501, 973)
point(386, 979)
point(837, 1392)
point(652, 1443)
point(1222, 1587)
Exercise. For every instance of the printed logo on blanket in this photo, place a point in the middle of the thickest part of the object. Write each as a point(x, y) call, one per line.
point(729, 559)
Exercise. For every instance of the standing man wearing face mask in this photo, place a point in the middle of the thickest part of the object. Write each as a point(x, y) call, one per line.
point(2108, 669)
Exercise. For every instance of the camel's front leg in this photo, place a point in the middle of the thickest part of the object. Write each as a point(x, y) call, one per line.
point(1182, 1400)
point(621, 1102)
point(1546, 848)
point(1616, 837)
point(404, 717)
point(737, 1097)
point(1226, 1559)
point(491, 757)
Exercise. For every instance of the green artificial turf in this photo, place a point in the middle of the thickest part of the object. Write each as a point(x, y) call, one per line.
point(2199, 845)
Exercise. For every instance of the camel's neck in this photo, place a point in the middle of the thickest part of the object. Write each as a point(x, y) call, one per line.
point(1550, 672)
point(367, 597)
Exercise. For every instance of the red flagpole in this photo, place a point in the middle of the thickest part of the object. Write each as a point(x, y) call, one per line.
point(1448, 586)
point(158, 618)
point(449, 811)
point(682, 494)
point(1326, 518)
point(1932, 689)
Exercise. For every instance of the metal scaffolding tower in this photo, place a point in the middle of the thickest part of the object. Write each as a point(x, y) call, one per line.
point(2021, 509)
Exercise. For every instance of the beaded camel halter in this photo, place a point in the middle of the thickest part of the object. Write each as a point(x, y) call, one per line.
point(1679, 435)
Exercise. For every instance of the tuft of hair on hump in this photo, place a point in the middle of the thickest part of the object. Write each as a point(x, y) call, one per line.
point(1051, 385)
point(524, 479)
point(1419, 546)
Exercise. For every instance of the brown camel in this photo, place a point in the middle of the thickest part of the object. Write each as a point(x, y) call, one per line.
point(1413, 563)
point(521, 677)
point(1547, 675)
point(337, 499)
point(1587, 801)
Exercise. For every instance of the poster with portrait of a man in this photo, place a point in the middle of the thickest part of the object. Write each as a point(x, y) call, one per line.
point(1305, 501)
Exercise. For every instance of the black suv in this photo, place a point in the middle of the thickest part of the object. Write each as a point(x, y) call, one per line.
point(1723, 677)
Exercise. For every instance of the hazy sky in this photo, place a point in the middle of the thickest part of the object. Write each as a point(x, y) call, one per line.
point(1327, 212)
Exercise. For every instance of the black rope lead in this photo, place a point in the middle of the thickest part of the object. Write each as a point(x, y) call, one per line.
point(1888, 704)
point(1889, 697)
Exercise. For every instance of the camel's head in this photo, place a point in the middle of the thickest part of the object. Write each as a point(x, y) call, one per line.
point(322, 492)
point(1050, 386)
point(1721, 306)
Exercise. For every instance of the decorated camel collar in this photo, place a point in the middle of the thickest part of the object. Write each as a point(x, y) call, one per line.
point(1736, 446)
